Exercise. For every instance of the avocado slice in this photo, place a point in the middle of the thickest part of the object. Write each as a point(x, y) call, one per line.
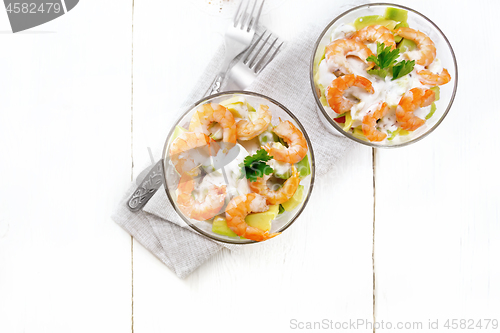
point(233, 100)
point(431, 113)
point(399, 131)
point(219, 226)
point(358, 133)
point(284, 175)
point(232, 103)
point(318, 58)
point(365, 21)
point(295, 200)
point(436, 92)
point(232, 109)
point(322, 97)
point(303, 167)
point(323, 101)
point(397, 38)
point(348, 122)
point(401, 25)
point(250, 108)
point(396, 14)
point(177, 131)
point(404, 132)
point(263, 220)
point(407, 45)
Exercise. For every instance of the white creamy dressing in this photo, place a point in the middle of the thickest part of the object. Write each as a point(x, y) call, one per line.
point(236, 185)
point(385, 90)
point(436, 67)
point(279, 168)
point(342, 31)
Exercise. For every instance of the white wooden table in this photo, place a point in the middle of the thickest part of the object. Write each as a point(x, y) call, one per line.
point(404, 235)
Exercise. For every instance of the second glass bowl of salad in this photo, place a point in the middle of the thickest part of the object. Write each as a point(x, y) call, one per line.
point(383, 75)
point(238, 167)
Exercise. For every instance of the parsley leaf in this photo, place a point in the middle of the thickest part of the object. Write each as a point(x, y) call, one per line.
point(402, 68)
point(385, 57)
point(281, 209)
point(255, 166)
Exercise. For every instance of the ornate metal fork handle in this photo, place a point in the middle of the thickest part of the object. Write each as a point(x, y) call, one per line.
point(151, 183)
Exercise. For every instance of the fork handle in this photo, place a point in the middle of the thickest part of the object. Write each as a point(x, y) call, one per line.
point(216, 84)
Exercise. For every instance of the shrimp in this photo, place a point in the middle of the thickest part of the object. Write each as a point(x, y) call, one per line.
point(247, 130)
point(297, 144)
point(335, 91)
point(432, 79)
point(199, 210)
point(283, 194)
point(236, 211)
point(180, 147)
point(370, 121)
point(375, 33)
point(411, 100)
point(338, 50)
point(427, 51)
point(208, 114)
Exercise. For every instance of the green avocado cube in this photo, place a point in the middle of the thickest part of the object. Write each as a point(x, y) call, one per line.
point(250, 108)
point(303, 167)
point(263, 220)
point(396, 14)
point(407, 45)
point(364, 21)
point(295, 200)
point(219, 226)
point(284, 175)
point(402, 25)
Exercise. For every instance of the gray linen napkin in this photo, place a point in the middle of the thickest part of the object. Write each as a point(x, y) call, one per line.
point(286, 79)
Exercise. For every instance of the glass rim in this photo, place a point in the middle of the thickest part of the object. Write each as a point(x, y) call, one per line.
point(349, 135)
point(165, 158)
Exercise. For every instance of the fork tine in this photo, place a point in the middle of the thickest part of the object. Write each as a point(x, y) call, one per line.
point(246, 25)
point(255, 21)
point(235, 21)
point(265, 54)
point(250, 49)
point(269, 60)
point(252, 62)
point(244, 15)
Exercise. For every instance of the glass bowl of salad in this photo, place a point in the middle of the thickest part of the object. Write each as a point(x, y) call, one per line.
point(383, 75)
point(238, 167)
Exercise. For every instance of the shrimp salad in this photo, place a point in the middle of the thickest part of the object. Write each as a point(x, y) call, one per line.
point(379, 79)
point(242, 172)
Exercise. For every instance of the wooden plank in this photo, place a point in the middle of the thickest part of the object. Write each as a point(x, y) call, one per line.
point(436, 248)
point(320, 268)
point(65, 266)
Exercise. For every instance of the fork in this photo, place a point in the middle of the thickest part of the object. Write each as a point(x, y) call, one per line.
point(238, 37)
point(252, 63)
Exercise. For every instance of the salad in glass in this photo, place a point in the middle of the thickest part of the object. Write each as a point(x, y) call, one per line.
point(378, 78)
point(240, 167)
